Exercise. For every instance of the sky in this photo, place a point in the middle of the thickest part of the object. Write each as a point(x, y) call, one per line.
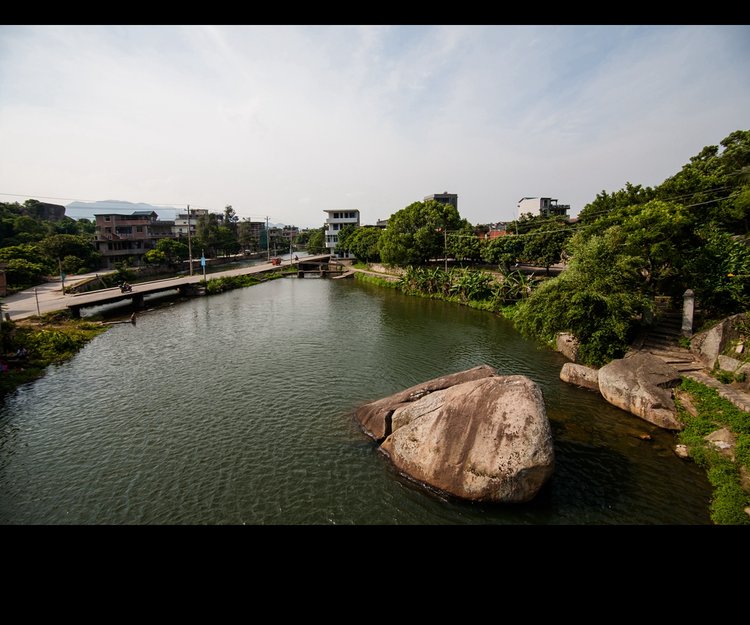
point(286, 122)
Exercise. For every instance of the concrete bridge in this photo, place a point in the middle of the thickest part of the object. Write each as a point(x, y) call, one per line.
point(49, 298)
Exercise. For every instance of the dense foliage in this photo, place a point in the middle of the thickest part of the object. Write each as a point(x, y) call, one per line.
point(636, 243)
point(32, 247)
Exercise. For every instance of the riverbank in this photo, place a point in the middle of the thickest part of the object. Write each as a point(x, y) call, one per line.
point(721, 408)
point(29, 346)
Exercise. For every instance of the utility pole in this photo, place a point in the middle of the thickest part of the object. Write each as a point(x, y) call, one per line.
point(268, 241)
point(190, 244)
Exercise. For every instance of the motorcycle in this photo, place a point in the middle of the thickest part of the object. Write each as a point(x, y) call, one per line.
point(125, 288)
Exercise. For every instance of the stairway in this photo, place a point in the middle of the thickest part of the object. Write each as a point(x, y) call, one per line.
point(662, 340)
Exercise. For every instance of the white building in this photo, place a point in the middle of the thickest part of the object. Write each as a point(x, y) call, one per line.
point(336, 220)
point(541, 206)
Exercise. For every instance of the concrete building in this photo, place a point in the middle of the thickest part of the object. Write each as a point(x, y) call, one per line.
point(444, 198)
point(180, 228)
point(336, 220)
point(544, 206)
point(128, 237)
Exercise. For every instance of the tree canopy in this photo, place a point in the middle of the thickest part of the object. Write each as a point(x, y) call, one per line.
point(418, 232)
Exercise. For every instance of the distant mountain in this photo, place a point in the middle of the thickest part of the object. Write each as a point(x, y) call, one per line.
point(87, 210)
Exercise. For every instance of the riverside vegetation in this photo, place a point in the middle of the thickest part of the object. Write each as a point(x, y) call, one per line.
point(626, 249)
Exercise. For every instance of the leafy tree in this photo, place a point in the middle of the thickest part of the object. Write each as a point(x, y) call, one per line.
point(316, 244)
point(230, 219)
point(25, 251)
point(597, 299)
point(207, 233)
point(606, 205)
point(364, 243)
point(58, 246)
point(544, 246)
point(719, 273)
point(22, 274)
point(155, 257)
point(174, 251)
point(503, 251)
point(345, 234)
point(415, 234)
point(464, 245)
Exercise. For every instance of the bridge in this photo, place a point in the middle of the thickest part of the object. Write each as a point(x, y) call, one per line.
point(189, 285)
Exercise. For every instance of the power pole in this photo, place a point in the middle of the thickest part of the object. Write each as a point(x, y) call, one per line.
point(190, 244)
point(268, 241)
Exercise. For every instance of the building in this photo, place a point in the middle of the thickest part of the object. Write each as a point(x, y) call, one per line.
point(128, 237)
point(545, 206)
point(180, 228)
point(444, 198)
point(336, 220)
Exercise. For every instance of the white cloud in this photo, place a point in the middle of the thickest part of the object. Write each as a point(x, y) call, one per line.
point(289, 121)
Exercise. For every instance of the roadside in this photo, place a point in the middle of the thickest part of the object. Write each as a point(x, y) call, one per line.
point(43, 298)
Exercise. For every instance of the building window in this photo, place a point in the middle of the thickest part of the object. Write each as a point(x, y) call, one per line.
point(106, 219)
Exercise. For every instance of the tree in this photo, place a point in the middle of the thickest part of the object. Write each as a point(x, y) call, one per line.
point(597, 299)
point(345, 234)
point(503, 251)
point(365, 244)
point(544, 245)
point(231, 219)
point(58, 246)
point(155, 257)
point(316, 244)
point(247, 238)
point(464, 245)
point(174, 251)
point(207, 233)
point(415, 234)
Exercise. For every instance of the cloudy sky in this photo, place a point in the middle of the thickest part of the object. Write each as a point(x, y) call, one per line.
point(287, 121)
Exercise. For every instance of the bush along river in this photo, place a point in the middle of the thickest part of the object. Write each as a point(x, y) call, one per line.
point(238, 408)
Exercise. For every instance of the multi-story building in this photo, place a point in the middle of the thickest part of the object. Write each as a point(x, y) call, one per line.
point(336, 220)
point(544, 206)
point(180, 228)
point(128, 237)
point(444, 198)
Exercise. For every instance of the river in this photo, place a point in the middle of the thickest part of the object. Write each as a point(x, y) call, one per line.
point(238, 409)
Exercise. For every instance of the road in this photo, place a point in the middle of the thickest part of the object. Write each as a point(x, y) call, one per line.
point(50, 297)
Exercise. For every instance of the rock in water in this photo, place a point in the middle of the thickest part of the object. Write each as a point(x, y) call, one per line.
point(641, 384)
point(375, 417)
point(487, 439)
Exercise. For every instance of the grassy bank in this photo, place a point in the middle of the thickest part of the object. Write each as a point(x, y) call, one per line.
point(713, 412)
point(50, 339)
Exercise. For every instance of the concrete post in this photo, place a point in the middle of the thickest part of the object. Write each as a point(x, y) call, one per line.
point(688, 309)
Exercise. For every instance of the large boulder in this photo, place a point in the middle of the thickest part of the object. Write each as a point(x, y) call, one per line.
point(580, 375)
point(375, 417)
point(709, 344)
point(567, 345)
point(487, 439)
point(642, 384)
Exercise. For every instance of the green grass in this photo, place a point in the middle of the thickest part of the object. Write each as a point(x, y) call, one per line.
point(714, 412)
point(50, 339)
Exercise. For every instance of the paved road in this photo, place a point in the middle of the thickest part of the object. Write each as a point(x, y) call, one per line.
point(51, 298)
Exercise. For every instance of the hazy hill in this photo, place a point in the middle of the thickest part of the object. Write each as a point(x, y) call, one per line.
point(87, 210)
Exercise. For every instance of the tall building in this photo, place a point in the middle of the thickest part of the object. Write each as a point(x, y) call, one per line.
point(544, 206)
point(336, 220)
point(444, 198)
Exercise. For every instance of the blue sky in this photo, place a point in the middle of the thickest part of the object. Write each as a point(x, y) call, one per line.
point(287, 121)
